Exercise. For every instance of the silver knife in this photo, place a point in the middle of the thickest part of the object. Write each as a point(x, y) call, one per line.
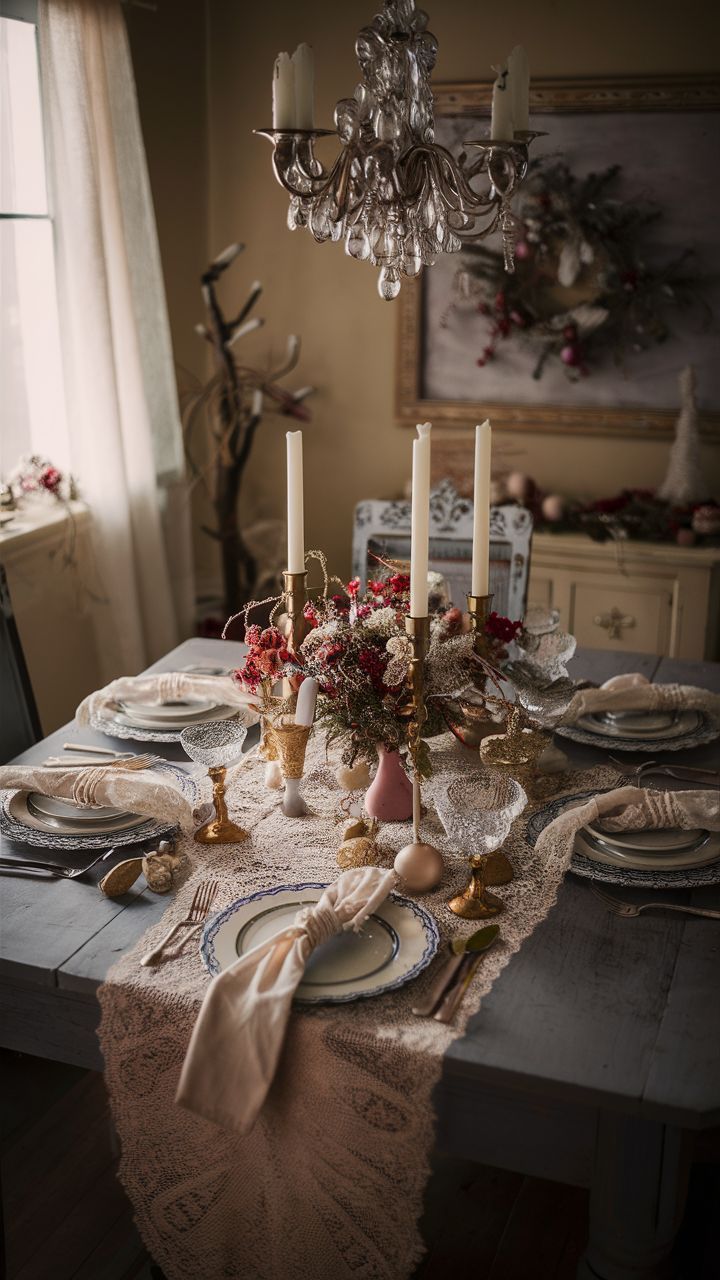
point(451, 1001)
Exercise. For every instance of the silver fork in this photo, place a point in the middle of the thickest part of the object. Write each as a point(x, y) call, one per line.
point(683, 772)
point(203, 899)
point(627, 910)
point(49, 870)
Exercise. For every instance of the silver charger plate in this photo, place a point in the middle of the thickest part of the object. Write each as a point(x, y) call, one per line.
point(393, 946)
point(707, 728)
point(114, 724)
point(675, 725)
point(704, 851)
point(612, 872)
point(150, 829)
point(20, 809)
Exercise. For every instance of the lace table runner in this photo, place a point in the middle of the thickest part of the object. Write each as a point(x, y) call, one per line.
point(330, 1181)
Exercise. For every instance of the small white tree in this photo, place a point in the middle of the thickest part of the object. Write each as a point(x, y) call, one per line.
point(684, 482)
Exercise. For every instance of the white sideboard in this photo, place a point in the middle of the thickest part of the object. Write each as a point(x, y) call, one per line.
point(639, 596)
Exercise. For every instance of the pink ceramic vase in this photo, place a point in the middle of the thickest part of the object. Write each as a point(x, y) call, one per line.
point(389, 796)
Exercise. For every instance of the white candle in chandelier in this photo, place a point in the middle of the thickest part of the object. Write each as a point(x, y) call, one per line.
point(283, 92)
point(420, 522)
point(519, 81)
point(295, 517)
point(303, 61)
point(480, 580)
point(501, 121)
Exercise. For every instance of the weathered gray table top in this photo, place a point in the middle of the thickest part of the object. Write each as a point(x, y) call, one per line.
point(607, 1012)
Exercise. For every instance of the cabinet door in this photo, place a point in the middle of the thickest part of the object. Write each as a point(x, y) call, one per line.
point(634, 614)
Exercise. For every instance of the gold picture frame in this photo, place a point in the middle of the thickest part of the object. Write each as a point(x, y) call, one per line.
point(641, 94)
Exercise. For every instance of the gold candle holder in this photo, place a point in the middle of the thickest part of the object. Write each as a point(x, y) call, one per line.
point(479, 609)
point(295, 585)
point(420, 865)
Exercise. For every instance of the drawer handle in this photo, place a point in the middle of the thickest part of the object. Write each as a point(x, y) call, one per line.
point(613, 622)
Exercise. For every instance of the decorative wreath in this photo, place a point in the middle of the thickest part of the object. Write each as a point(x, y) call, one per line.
point(582, 291)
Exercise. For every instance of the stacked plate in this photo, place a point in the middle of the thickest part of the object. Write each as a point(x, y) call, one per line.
point(46, 813)
point(653, 858)
point(171, 717)
point(672, 730)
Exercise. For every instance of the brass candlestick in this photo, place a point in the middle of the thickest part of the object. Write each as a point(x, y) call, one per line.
point(420, 865)
point(295, 585)
point(479, 608)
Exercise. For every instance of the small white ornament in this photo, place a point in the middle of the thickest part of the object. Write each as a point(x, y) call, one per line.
point(273, 775)
point(518, 485)
point(553, 507)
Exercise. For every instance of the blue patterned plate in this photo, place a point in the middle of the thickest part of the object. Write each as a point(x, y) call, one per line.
point(393, 946)
point(629, 876)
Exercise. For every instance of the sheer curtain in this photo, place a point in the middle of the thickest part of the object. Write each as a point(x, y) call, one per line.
point(123, 421)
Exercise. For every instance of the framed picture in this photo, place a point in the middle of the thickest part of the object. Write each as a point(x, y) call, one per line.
point(662, 133)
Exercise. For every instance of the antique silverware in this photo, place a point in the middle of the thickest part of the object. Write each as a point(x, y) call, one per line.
point(141, 761)
point(93, 750)
point(461, 949)
point(627, 910)
point(683, 772)
point(455, 994)
point(49, 870)
point(203, 899)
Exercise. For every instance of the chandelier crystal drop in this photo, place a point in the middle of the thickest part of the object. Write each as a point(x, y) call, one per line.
point(393, 195)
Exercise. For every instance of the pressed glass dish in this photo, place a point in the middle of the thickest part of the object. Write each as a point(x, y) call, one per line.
point(477, 812)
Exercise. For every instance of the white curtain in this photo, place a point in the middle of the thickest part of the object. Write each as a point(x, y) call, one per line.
point(123, 420)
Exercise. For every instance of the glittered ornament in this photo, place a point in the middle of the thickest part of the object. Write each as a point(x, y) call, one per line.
point(706, 521)
point(356, 778)
point(121, 878)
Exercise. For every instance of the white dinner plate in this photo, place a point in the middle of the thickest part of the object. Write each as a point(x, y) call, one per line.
point(393, 946)
point(184, 710)
point(175, 726)
point(51, 807)
point(669, 725)
point(651, 841)
point(705, 851)
point(18, 809)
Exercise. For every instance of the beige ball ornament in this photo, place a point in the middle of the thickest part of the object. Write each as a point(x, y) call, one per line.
point(420, 866)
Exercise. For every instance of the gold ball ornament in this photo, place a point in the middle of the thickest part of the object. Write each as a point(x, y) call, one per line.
point(420, 867)
point(360, 851)
point(355, 779)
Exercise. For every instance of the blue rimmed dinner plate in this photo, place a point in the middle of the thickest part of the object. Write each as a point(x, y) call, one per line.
point(393, 946)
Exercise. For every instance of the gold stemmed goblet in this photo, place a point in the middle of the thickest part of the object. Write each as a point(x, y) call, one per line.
point(216, 744)
point(477, 811)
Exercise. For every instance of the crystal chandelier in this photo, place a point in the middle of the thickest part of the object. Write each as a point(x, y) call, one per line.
point(393, 195)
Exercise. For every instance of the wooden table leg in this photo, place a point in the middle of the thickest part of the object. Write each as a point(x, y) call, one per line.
point(637, 1199)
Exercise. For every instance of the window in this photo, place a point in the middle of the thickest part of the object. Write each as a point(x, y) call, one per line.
point(31, 383)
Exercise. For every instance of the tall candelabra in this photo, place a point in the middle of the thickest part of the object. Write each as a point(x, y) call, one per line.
point(396, 197)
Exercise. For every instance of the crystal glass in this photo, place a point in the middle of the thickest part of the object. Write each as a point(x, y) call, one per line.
point(543, 695)
point(477, 812)
point(217, 744)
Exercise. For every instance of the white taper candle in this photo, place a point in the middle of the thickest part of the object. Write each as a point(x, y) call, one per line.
point(420, 522)
point(501, 122)
point(519, 82)
point(283, 92)
point(480, 580)
point(295, 517)
point(303, 61)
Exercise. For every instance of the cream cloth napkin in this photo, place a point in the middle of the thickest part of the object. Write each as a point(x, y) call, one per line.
point(631, 809)
point(634, 692)
point(136, 791)
point(169, 686)
point(237, 1039)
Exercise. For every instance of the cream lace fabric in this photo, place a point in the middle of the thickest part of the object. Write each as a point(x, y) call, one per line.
point(136, 791)
point(633, 692)
point(167, 686)
point(329, 1183)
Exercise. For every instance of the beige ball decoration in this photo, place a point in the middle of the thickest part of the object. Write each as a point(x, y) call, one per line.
point(518, 485)
point(420, 866)
point(355, 779)
point(553, 507)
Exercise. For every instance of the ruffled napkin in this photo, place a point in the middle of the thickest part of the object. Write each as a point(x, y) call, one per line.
point(169, 686)
point(631, 809)
point(634, 692)
point(237, 1039)
point(135, 791)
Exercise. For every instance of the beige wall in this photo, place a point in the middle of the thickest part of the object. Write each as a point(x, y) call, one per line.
point(352, 447)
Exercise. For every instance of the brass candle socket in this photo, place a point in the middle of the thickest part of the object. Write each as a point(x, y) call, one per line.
point(295, 585)
point(220, 829)
point(479, 609)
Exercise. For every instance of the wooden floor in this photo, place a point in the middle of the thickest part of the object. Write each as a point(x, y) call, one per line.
point(67, 1218)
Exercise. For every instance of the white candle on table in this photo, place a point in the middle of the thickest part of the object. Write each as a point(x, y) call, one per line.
point(420, 522)
point(480, 580)
point(501, 122)
point(519, 81)
point(283, 92)
point(306, 699)
point(303, 61)
point(295, 518)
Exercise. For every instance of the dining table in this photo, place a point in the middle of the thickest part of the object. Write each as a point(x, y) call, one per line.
point(593, 1061)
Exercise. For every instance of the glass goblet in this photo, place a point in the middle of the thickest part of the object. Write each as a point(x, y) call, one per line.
point(477, 811)
point(216, 744)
